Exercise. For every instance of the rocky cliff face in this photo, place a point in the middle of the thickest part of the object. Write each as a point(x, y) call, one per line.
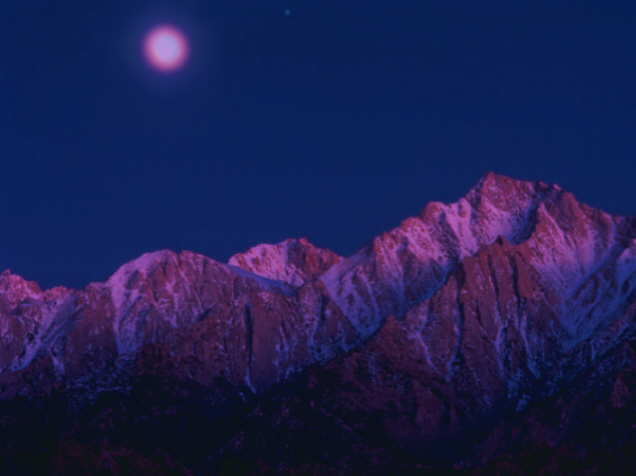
point(480, 308)
point(223, 320)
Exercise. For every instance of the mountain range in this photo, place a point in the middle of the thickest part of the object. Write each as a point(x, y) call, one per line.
point(493, 335)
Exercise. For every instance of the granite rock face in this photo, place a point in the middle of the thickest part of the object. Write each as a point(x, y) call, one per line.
point(470, 310)
point(205, 319)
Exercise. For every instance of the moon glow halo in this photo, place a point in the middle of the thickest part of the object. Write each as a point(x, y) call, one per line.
point(166, 48)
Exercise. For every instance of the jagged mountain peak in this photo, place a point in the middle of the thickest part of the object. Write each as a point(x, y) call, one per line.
point(143, 264)
point(496, 179)
point(15, 289)
point(406, 265)
point(294, 261)
point(493, 185)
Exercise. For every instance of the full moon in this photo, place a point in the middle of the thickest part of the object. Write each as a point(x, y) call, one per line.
point(166, 48)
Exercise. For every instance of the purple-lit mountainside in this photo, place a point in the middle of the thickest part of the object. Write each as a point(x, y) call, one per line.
point(502, 319)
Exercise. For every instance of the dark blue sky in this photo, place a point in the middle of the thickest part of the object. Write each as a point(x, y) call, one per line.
point(333, 122)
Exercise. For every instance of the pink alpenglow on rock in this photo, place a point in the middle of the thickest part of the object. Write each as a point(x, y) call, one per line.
point(166, 48)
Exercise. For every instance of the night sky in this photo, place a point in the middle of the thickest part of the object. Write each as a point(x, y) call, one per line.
point(332, 120)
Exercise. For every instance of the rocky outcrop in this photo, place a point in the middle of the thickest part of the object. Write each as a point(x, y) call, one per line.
point(293, 261)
